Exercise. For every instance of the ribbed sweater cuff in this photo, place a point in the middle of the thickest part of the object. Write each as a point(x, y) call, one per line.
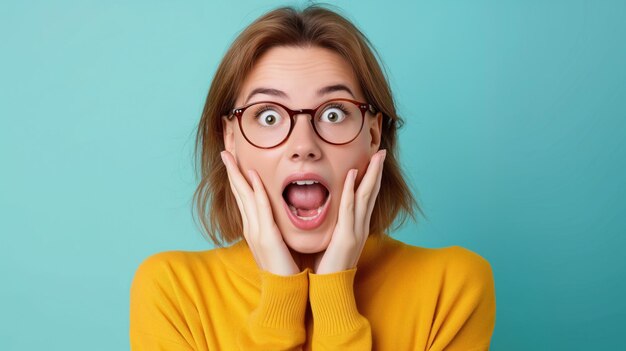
point(332, 302)
point(283, 300)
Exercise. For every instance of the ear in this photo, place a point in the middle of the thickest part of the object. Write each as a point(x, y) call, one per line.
point(229, 135)
point(375, 128)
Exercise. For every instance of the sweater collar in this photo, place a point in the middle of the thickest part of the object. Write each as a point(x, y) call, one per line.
point(239, 259)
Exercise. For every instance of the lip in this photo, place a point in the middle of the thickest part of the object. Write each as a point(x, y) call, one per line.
point(304, 176)
point(310, 223)
point(298, 222)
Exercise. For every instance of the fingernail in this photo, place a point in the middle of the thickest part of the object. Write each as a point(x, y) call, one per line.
point(222, 156)
point(384, 155)
point(354, 173)
point(252, 176)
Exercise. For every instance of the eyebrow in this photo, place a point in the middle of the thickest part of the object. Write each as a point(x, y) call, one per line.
point(334, 88)
point(279, 93)
point(266, 91)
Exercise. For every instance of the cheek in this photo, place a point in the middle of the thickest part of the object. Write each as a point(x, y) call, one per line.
point(247, 155)
point(263, 166)
point(344, 162)
point(361, 154)
point(264, 162)
point(362, 165)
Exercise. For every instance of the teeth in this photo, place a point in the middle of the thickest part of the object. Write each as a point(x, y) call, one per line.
point(305, 182)
point(295, 213)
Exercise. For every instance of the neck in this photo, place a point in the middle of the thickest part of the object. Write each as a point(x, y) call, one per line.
point(304, 260)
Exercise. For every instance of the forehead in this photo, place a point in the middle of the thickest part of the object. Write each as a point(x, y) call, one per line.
point(300, 73)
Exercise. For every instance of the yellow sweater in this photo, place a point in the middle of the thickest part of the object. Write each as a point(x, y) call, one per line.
point(399, 297)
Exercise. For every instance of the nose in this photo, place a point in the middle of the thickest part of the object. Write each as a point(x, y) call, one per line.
point(303, 143)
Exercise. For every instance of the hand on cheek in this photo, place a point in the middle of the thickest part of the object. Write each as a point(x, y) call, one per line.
point(259, 229)
point(353, 222)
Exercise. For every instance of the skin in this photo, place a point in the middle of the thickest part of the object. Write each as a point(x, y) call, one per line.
point(295, 77)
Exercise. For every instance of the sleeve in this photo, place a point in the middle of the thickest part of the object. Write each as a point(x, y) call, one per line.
point(467, 308)
point(277, 323)
point(157, 315)
point(337, 323)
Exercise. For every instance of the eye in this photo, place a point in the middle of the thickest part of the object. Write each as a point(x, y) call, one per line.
point(268, 117)
point(333, 114)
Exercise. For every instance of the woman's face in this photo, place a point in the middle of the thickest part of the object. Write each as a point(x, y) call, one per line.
point(303, 78)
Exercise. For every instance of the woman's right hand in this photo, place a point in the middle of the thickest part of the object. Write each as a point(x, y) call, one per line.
point(259, 229)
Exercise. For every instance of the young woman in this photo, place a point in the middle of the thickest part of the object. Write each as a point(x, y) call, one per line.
point(297, 146)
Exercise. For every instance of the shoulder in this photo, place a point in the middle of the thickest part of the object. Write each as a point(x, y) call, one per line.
point(461, 284)
point(467, 272)
point(174, 260)
point(196, 269)
point(459, 262)
point(173, 268)
point(454, 258)
point(452, 288)
point(454, 266)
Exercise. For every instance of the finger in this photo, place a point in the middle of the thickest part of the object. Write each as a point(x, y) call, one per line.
point(379, 177)
point(368, 185)
point(345, 222)
point(248, 235)
point(241, 190)
point(227, 159)
point(277, 258)
point(263, 206)
point(233, 171)
point(343, 237)
point(231, 183)
point(373, 196)
point(244, 216)
point(241, 207)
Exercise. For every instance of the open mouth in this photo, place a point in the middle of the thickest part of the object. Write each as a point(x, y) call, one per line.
point(305, 198)
point(306, 202)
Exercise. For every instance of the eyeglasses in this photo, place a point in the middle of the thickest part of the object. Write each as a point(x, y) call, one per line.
point(268, 124)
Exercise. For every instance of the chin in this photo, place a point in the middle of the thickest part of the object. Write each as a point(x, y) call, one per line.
point(308, 242)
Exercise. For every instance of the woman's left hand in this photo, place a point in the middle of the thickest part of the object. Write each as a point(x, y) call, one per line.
point(353, 223)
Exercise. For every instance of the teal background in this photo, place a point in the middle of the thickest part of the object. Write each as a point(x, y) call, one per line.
point(514, 141)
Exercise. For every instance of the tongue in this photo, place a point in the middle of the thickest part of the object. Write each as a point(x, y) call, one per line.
point(306, 197)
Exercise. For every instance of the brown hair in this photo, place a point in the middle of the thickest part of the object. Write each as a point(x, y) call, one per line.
point(313, 26)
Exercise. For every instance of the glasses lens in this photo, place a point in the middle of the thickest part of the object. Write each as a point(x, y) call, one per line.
point(338, 121)
point(265, 124)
